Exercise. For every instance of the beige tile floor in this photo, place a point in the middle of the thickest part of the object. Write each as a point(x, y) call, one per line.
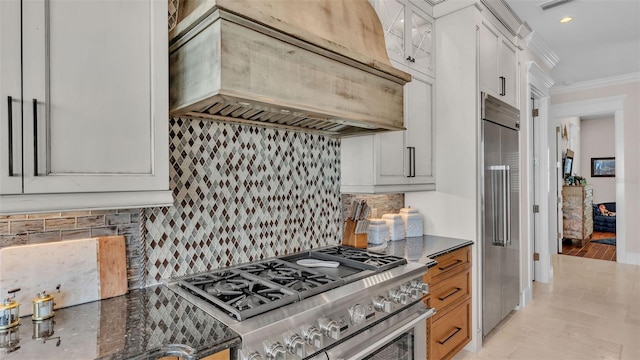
point(591, 310)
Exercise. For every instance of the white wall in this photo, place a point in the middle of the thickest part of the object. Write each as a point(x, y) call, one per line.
point(627, 153)
point(572, 142)
point(597, 139)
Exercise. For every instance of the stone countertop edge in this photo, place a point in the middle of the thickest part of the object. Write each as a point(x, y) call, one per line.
point(146, 323)
point(421, 249)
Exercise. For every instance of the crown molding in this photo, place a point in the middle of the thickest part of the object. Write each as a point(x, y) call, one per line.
point(597, 83)
point(538, 78)
point(503, 12)
point(538, 46)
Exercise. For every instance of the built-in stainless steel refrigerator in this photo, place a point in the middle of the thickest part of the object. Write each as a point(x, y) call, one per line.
point(501, 224)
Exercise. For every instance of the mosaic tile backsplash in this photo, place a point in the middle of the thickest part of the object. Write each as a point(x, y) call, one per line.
point(242, 193)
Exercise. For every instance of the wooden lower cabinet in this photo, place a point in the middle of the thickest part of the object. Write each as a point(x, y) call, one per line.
point(449, 330)
point(221, 355)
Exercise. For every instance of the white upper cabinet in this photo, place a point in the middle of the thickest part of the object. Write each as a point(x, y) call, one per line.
point(498, 64)
point(94, 102)
point(408, 34)
point(396, 161)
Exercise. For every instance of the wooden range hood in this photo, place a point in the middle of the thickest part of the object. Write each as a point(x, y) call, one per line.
point(313, 65)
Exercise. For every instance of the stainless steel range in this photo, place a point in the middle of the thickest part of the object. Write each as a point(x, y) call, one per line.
point(330, 303)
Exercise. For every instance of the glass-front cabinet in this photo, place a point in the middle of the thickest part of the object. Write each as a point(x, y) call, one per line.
point(408, 33)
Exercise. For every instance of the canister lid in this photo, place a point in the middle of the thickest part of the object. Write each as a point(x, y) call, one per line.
point(408, 211)
point(391, 216)
point(377, 222)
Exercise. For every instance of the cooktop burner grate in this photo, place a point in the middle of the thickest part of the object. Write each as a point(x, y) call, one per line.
point(251, 289)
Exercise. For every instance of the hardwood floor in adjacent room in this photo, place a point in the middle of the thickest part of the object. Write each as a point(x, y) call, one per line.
point(591, 250)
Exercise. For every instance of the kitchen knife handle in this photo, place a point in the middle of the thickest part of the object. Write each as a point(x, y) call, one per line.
point(451, 334)
point(35, 137)
point(10, 108)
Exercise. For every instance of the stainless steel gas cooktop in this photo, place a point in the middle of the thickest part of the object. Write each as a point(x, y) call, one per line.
point(282, 308)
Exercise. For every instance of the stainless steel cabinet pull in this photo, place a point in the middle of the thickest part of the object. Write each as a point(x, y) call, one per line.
point(456, 262)
point(456, 290)
point(451, 334)
point(503, 85)
point(35, 137)
point(10, 107)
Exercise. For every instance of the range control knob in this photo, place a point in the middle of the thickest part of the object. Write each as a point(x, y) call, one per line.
point(420, 286)
point(313, 336)
point(411, 291)
point(357, 314)
point(330, 328)
point(275, 351)
point(398, 296)
point(382, 304)
point(295, 345)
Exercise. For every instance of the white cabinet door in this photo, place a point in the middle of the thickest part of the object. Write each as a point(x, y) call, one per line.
point(95, 89)
point(498, 65)
point(419, 134)
point(408, 34)
point(488, 50)
point(507, 63)
point(85, 84)
point(10, 99)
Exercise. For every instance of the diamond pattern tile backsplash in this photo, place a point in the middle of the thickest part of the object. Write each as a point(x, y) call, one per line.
point(242, 193)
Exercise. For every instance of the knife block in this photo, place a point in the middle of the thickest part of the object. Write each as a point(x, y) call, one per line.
point(350, 238)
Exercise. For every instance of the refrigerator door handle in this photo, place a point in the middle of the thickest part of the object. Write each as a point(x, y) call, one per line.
point(506, 198)
point(501, 190)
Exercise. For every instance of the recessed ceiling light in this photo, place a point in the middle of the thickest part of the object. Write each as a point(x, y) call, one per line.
point(566, 19)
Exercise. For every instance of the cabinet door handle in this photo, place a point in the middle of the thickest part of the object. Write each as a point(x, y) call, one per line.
point(453, 264)
point(412, 161)
point(411, 59)
point(451, 334)
point(10, 107)
point(35, 137)
point(450, 294)
point(503, 85)
point(413, 164)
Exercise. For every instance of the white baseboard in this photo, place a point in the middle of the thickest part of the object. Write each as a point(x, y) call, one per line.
point(630, 258)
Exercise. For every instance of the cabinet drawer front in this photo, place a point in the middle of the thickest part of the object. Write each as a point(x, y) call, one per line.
point(450, 332)
point(449, 290)
point(449, 263)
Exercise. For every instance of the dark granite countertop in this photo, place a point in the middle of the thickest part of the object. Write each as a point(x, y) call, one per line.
point(143, 324)
point(421, 249)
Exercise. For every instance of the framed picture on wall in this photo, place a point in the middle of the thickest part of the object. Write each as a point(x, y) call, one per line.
point(603, 167)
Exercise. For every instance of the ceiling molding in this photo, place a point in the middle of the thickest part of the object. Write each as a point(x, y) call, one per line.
point(538, 78)
point(504, 14)
point(538, 46)
point(597, 83)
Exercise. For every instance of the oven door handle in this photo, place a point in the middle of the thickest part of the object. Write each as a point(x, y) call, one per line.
point(361, 353)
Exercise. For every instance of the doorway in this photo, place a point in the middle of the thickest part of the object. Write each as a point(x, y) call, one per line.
point(592, 137)
point(599, 107)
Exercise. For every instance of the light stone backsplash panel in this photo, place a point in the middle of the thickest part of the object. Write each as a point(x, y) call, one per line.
point(380, 204)
point(24, 229)
point(242, 193)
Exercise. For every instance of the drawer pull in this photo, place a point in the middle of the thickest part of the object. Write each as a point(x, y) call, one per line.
point(453, 264)
point(451, 334)
point(449, 294)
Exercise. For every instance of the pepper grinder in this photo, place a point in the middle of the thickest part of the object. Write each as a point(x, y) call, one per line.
point(10, 311)
point(43, 306)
